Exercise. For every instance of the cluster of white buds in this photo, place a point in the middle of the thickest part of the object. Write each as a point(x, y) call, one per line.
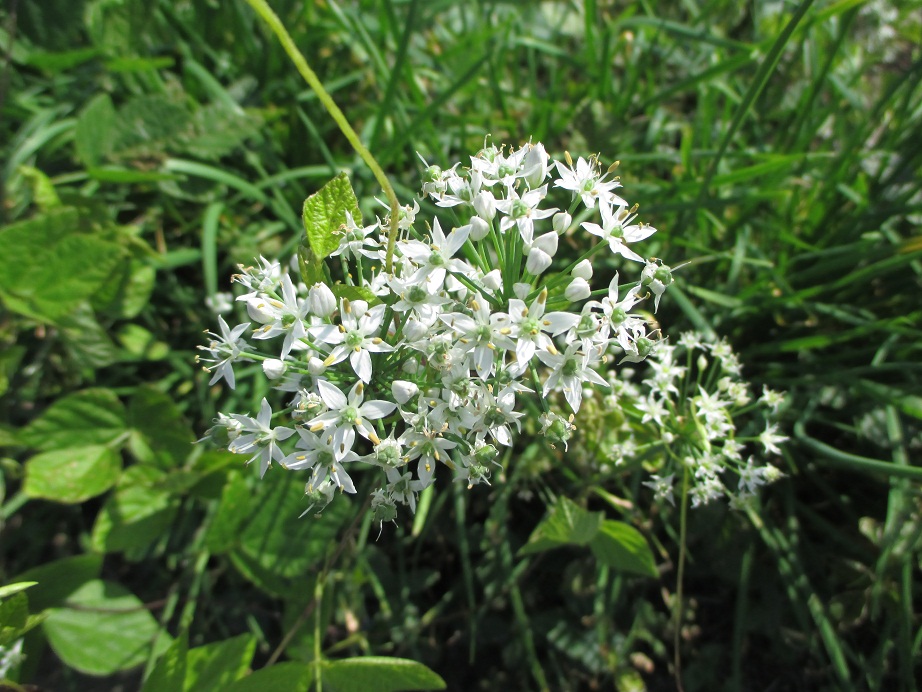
point(433, 363)
point(693, 417)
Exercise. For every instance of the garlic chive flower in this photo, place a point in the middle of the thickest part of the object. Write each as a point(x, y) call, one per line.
point(476, 333)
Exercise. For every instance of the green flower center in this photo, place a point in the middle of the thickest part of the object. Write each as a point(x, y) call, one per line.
point(570, 367)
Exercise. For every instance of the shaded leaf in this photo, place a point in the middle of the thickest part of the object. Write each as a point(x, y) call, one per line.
point(89, 417)
point(622, 547)
point(73, 475)
point(214, 667)
point(379, 673)
point(104, 629)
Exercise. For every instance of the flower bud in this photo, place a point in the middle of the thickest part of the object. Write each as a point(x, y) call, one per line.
point(493, 280)
point(702, 362)
point(521, 290)
point(485, 205)
point(274, 368)
point(410, 366)
point(315, 366)
point(538, 261)
point(535, 165)
point(403, 391)
point(547, 243)
point(414, 330)
point(480, 229)
point(578, 289)
point(321, 300)
point(583, 270)
point(562, 221)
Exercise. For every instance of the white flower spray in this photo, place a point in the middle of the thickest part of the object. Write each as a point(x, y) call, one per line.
point(430, 365)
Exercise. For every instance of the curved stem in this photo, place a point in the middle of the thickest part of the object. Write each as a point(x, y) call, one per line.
point(271, 19)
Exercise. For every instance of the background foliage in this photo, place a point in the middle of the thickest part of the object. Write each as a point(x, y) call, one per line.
point(148, 148)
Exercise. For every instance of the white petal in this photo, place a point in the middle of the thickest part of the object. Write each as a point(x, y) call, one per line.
point(332, 396)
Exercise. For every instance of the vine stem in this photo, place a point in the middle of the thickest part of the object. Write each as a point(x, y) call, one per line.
point(297, 57)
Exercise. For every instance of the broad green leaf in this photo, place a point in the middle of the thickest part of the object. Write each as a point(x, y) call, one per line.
point(49, 267)
point(568, 524)
point(325, 214)
point(127, 290)
point(161, 436)
point(15, 619)
point(213, 667)
point(310, 266)
point(170, 671)
point(275, 543)
point(73, 475)
point(282, 677)
point(141, 343)
point(622, 547)
point(132, 518)
point(224, 529)
point(57, 580)
point(88, 344)
point(105, 629)
point(94, 131)
point(379, 673)
point(89, 417)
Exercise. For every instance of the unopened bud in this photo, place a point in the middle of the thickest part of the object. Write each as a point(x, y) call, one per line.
point(578, 289)
point(274, 368)
point(321, 300)
point(404, 391)
point(562, 221)
point(583, 270)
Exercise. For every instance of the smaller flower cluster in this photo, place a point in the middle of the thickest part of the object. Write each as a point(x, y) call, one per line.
point(693, 418)
point(431, 364)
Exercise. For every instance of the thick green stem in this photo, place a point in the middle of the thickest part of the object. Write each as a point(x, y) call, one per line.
point(269, 17)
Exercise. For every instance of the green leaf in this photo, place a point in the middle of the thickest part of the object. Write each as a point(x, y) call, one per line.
point(105, 629)
point(310, 266)
point(57, 580)
point(46, 197)
point(213, 667)
point(73, 475)
point(276, 544)
point(15, 619)
point(170, 671)
point(161, 436)
point(11, 589)
point(127, 291)
point(568, 524)
point(88, 417)
point(282, 677)
point(355, 293)
point(224, 529)
point(94, 131)
point(88, 344)
point(622, 547)
point(132, 518)
point(379, 673)
point(325, 213)
point(48, 267)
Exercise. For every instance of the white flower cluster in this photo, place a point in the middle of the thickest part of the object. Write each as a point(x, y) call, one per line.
point(694, 414)
point(429, 364)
